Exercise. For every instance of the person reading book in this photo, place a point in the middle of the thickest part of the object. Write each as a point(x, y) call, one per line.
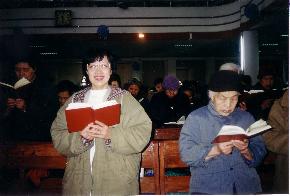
point(170, 104)
point(224, 167)
point(30, 108)
point(102, 159)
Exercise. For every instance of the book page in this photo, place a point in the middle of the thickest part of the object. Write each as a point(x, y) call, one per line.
point(72, 106)
point(231, 130)
point(258, 127)
point(96, 106)
point(105, 104)
point(5, 84)
point(20, 83)
point(180, 121)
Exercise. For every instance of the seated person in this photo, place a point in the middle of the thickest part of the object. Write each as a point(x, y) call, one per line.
point(115, 81)
point(158, 85)
point(135, 88)
point(227, 167)
point(259, 106)
point(168, 105)
point(65, 89)
point(156, 89)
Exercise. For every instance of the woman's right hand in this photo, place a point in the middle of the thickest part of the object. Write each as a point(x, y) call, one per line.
point(90, 131)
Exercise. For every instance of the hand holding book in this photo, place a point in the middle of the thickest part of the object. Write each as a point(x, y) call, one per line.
point(96, 129)
point(231, 132)
point(79, 115)
point(242, 146)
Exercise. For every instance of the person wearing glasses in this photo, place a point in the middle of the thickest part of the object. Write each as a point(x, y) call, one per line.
point(101, 159)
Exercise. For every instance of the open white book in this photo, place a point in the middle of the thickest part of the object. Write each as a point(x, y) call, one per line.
point(180, 121)
point(20, 83)
point(231, 132)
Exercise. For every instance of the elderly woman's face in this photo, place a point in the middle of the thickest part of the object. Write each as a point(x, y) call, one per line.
point(225, 102)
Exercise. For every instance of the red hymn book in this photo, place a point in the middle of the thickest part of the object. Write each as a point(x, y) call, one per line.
point(231, 132)
point(79, 115)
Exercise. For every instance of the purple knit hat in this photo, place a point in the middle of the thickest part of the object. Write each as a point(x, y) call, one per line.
point(170, 83)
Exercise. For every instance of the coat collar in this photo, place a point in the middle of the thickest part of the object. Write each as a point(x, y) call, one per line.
point(80, 96)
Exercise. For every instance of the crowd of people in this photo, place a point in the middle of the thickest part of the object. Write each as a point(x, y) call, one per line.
point(106, 160)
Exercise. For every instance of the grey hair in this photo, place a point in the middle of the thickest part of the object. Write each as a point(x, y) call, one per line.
point(211, 94)
point(230, 66)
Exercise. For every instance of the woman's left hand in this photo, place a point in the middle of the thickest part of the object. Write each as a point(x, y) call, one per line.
point(242, 146)
point(102, 130)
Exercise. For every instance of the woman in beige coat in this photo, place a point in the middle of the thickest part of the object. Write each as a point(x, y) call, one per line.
point(103, 160)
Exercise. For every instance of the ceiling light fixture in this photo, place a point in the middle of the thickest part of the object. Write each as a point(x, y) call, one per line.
point(141, 35)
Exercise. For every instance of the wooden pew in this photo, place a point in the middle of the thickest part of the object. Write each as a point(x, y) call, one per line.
point(42, 155)
point(33, 155)
point(170, 159)
point(150, 160)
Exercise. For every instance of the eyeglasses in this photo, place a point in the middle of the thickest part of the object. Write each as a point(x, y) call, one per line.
point(98, 66)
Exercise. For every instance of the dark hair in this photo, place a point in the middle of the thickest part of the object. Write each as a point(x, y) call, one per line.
point(31, 62)
point(115, 77)
point(94, 55)
point(66, 85)
point(265, 72)
point(135, 81)
point(158, 81)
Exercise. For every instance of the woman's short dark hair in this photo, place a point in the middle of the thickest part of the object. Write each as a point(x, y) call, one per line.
point(94, 55)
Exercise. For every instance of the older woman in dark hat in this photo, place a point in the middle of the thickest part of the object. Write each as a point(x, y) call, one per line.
point(168, 105)
point(226, 167)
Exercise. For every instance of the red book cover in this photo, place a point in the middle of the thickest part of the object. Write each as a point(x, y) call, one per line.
point(79, 115)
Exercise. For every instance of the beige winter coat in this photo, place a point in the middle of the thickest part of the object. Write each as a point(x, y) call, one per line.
point(277, 141)
point(115, 168)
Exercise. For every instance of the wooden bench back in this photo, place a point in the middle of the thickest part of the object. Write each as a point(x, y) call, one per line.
point(169, 159)
point(33, 155)
point(43, 155)
point(150, 160)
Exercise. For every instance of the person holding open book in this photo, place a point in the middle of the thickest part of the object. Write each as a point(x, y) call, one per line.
point(102, 159)
point(226, 166)
point(30, 105)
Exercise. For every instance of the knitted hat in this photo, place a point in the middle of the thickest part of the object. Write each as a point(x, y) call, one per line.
point(224, 80)
point(170, 83)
